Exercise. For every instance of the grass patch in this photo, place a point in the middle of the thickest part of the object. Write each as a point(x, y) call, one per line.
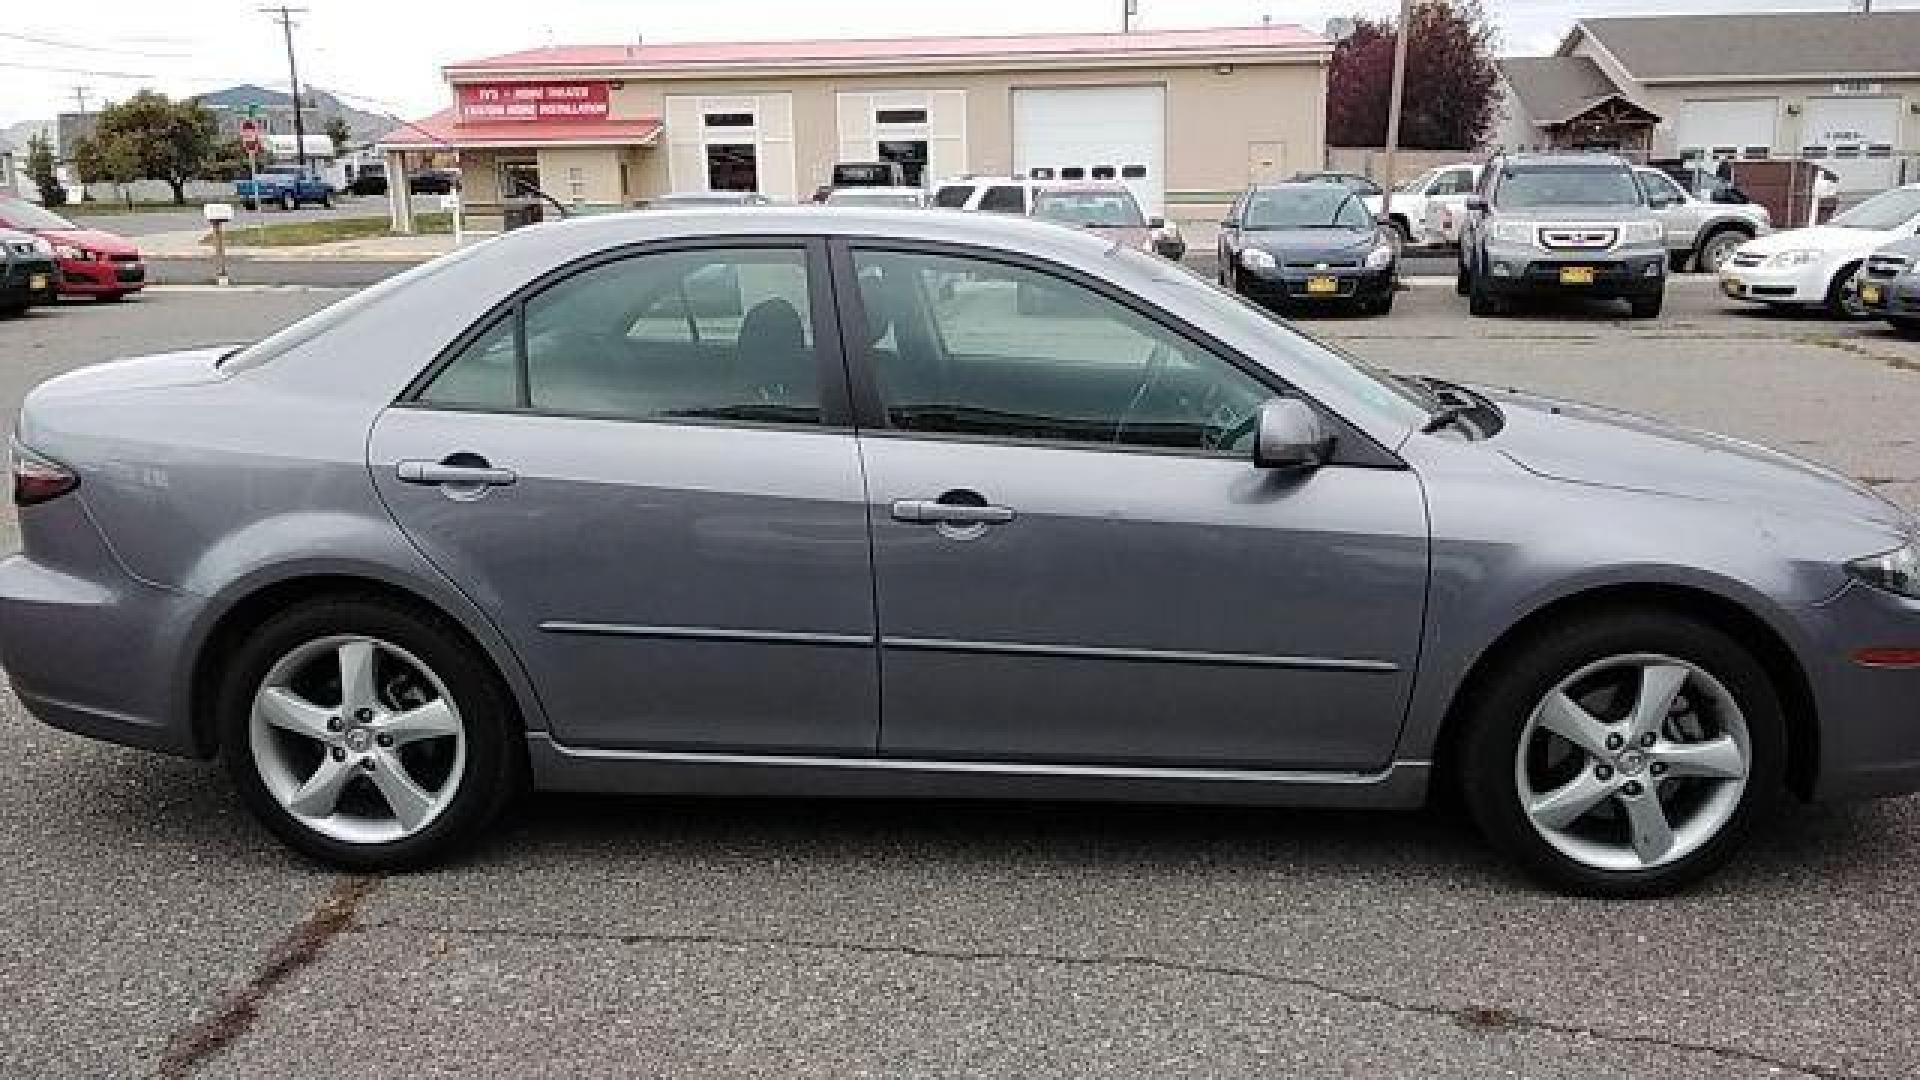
point(327, 231)
point(110, 208)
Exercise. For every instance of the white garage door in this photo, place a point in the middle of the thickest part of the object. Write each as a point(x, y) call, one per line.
point(1854, 137)
point(1094, 133)
point(1741, 128)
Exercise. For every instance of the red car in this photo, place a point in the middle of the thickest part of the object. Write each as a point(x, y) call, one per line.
point(92, 263)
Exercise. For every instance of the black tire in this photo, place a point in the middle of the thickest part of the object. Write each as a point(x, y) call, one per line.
point(12, 311)
point(1843, 302)
point(495, 767)
point(1648, 307)
point(1481, 303)
point(1909, 327)
point(1382, 304)
point(1490, 737)
point(326, 202)
point(1677, 261)
point(1462, 283)
point(249, 204)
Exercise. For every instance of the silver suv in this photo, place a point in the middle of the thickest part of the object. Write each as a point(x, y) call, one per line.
point(1565, 225)
point(1701, 232)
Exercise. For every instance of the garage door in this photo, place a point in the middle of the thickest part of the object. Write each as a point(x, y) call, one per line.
point(1854, 137)
point(1738, 128)
point(1094, 133)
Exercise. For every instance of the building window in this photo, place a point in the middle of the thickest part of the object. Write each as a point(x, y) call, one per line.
point(1073, 172)
point(1103, 172)
point(1134, 172)
point(1759, 153)
point(900, 116)
point(912, 156)
point(733, 167)
point(1040, 173)
point(729, 119)
point(576, 183)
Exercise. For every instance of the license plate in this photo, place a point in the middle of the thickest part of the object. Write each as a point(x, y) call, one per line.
point(1322, 285)
point(1869, 294)
point(1576, 275)
point(1732, 287)
point(37, 283)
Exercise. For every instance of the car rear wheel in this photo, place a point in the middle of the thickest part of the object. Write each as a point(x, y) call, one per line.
point(1717, 248)
point(366, 734)
point(1624, 755)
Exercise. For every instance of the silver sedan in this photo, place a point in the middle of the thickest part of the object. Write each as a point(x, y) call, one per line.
point(877, 503)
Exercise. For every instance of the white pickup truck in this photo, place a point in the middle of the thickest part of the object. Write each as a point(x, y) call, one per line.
point(1427, 208)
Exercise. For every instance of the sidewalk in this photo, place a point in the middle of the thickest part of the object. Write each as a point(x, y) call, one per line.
point(397, 249)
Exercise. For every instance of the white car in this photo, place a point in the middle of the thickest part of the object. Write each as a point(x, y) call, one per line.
point(1815, 267)
point(1421, 205)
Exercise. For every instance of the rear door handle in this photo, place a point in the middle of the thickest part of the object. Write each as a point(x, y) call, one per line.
point(455, 475)
point(934, 512)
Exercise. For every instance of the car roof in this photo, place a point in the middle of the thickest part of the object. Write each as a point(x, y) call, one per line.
point(1565, 159)
point(1107, 186)
point(1318, 187)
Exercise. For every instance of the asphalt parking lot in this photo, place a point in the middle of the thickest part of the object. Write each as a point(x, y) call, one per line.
point(152, 929)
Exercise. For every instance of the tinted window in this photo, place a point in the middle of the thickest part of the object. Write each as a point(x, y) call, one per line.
point(1659, 188)
point(1004, 199)
point(682, 335)
point(1307, 206)
point(975, 348)
point(1568, 185)
point(953, 196)
point(1885, 211)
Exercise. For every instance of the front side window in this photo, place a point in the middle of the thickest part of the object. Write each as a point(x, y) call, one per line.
point(721, 334)
point(968, 347)
point(1659, 188)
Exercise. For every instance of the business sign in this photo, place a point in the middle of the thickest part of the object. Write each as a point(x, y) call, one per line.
point(250, 136)
point(492, 102)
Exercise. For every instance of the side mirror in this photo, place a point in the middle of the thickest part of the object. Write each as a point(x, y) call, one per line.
point(1289, 436)
point(1477, 203)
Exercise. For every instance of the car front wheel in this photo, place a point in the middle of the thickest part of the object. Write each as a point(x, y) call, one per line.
point(1624, 755)
point(367, 734)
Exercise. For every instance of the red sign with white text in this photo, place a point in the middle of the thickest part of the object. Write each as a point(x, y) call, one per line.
point(491, 102)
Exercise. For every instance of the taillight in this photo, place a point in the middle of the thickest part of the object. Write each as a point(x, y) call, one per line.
point(38, 479)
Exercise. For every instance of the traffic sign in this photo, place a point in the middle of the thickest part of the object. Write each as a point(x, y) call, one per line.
point(250, 136)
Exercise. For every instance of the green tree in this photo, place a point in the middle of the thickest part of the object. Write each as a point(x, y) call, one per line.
point(40, 169)
point(110, 159)
point(167, 140)
point(1452, 91)
point(340, 133)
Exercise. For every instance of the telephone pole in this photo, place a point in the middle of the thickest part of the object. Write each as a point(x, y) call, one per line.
point(80, 97)
point(284, 16)
point(1393, 103)
point(1129, 11)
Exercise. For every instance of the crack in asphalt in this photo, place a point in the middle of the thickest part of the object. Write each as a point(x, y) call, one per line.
point(237, 1010)
point(1473, 1017)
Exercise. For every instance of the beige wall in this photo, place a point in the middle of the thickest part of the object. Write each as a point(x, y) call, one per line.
point(1212, 120)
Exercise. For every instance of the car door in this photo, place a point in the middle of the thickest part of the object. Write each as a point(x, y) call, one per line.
point(644, 472)
point(1446, 203)
point(1075, 560)
point(1680, 216)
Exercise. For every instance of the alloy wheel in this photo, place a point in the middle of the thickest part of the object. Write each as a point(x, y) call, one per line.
point(1716, 250)
point(1633, 762)
point(357, 739)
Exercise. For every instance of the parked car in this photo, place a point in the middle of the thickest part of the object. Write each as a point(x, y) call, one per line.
point(92, 262)
point(993, 194)
point(1419, 206)
point(1370, 193)
point(288, 189)
point(908, 198)
point(1889, 285)
point(1164, 549)
point(29, 273)
point(1315, 243)
point(680, 200)
point(1815, 267)
point(1700, 233)
point(1561, 225)
point(887, 174)
point(371, 179)
point(1108, 208)
point(434, 182)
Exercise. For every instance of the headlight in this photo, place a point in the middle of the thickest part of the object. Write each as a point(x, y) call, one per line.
point(1797, 257)
point(1255, 259)
point(1380, 258)
point(68, 251)
point(1642, 232)
point(1896, 571)
point(1513, 232)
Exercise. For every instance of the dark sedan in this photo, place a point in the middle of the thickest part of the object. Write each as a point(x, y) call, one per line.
point(28, 273)
point(1889, 285)
point(1307, 243)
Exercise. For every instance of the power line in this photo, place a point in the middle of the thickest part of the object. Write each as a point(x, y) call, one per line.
point(284, 16)
point(77, 71)
point(54, 43)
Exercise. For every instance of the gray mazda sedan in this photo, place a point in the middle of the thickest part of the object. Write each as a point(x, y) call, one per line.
point(824, 503)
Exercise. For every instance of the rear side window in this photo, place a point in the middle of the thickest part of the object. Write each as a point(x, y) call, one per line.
point(710, 334)
point(953, 196)
point(1004, 199)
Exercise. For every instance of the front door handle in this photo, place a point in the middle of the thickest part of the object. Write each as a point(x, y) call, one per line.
point(935, 512)
point(454, 473)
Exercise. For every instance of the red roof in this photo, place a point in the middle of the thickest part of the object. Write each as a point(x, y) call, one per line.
point(443, 130)
point(1278, 36)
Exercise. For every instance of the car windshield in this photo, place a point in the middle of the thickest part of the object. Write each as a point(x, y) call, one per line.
point(872, 197)
point(1309, 206)
point(24, 215)
point(1090, 209)
point(1884, 212)
point(1567, 185)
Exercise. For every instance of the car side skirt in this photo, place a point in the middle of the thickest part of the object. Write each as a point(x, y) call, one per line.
point(562, 768)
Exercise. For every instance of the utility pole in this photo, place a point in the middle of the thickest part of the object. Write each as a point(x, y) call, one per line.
point(1129, 11)
point(284, 16)
point(80, 97)
point(1393, 102)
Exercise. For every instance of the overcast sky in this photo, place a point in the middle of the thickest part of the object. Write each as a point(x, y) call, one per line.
point(390, 51)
